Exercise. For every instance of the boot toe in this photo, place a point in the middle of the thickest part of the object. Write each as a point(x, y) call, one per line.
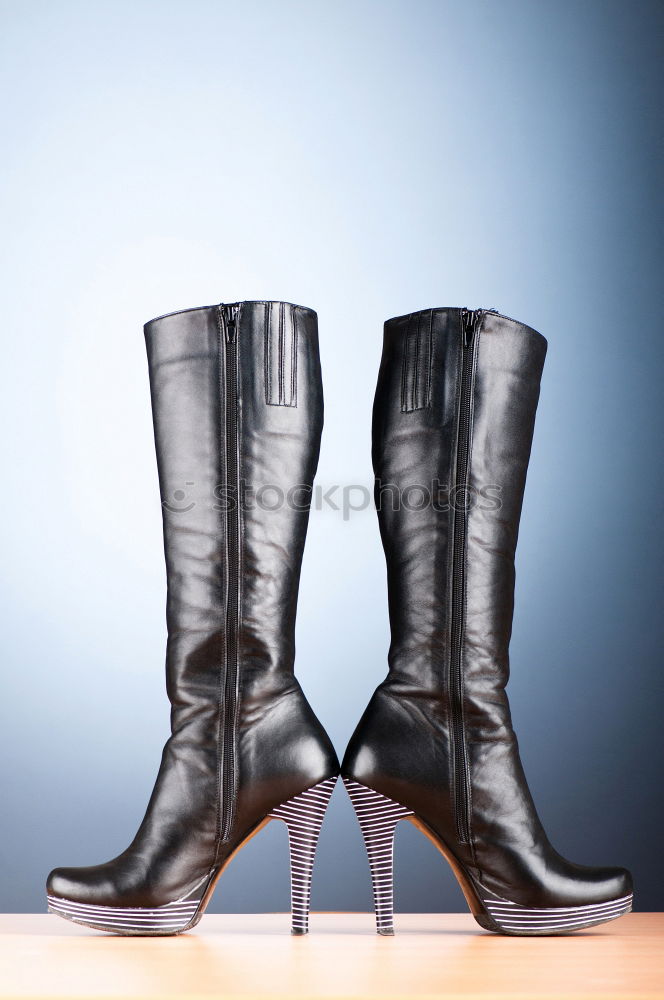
point(71, 883)
point(613, 883)
point(592, 886)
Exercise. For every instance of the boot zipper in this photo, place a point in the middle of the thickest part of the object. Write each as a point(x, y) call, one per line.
point(228, 317)
point(469, 324)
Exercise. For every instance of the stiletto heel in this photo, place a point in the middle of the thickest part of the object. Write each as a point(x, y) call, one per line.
point(303, 815)
point(378, 817)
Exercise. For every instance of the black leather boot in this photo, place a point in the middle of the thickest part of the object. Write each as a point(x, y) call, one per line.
point(453, 423)
point(238, 412)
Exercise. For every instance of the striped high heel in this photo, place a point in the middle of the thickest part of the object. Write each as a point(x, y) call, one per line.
point(303, 815)
point(378, 817)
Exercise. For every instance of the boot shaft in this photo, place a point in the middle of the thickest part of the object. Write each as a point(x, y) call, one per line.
point(238, 409)
point(452, 428)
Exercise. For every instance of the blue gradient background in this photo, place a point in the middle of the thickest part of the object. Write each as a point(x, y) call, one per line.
point(367, 159)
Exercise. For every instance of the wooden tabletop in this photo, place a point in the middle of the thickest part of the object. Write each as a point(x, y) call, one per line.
point(247, 956)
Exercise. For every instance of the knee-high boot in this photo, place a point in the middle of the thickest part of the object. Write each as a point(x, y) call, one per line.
point(238, 410)
point(452, 429)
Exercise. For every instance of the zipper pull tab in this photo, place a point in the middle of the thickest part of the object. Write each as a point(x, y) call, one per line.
point(468, 325)
point(230, 324)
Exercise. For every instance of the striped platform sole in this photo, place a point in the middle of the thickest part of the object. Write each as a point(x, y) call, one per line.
point(172, 918)
point(303, 815)
point(378, 817)
point(511, 918)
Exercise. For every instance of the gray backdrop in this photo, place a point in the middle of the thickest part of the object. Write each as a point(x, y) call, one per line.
point(366, 159)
